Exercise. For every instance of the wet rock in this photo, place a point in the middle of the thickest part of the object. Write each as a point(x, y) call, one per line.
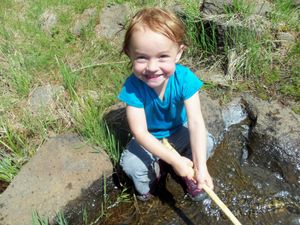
point(83, 21)
point(64, 176)
point(112, 21)
point(275, 138)
point(117, 122)
point(44, 97)
point(212, 114)
point(48, 21)
point(233, 113)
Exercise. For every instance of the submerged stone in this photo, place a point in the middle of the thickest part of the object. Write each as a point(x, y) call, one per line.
point(275, 138)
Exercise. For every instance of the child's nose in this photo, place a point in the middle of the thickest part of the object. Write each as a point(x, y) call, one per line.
point(152, 65)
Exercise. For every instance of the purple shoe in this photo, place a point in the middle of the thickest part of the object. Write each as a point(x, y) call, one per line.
point(193, 191)
point(144, 197)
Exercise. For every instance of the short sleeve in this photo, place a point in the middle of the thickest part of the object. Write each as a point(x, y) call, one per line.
point(191, 84)
point(130, 93)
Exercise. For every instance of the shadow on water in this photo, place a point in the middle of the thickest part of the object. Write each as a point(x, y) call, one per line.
point(254, 195)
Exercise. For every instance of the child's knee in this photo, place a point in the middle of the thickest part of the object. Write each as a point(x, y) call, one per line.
point(132, 166)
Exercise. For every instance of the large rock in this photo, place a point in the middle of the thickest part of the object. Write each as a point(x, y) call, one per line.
point(212, 115)
point(212, 7)
point(112, 21)
point(275, 138)
point(48, 21)
point(83, 21)
point(64, 176)
point(44, 98)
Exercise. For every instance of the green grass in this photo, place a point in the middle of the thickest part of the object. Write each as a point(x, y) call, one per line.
point(41, 220)
point(8, 167)
point(89, 122)
point(286, 15)
point(291, 83)
point(15, 72)
point(240, 7)
point(276, 75)
point(69, 78)
point(14, 152)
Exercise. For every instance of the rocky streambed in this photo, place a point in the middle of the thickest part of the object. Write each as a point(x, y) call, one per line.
point(254, 194)
point(249, 167)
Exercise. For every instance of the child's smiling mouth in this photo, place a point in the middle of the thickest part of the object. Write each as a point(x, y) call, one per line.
point(152, 76)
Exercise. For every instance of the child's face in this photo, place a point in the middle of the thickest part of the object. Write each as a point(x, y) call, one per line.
point(153, 57)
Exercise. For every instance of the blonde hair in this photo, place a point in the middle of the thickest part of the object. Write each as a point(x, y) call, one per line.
point(158, 20)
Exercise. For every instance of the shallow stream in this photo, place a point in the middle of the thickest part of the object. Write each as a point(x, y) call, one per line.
point(255, 195)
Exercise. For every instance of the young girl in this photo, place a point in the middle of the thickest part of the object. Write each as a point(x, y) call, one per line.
point(162, 101)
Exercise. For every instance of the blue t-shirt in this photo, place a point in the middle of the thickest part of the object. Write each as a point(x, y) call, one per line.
point(163, 117)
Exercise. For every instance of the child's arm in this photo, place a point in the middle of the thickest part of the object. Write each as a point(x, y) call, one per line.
point(198, 139)
point(138, 126)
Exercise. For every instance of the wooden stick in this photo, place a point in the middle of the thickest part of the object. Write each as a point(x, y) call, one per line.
point(221, 204)
point(211, 193)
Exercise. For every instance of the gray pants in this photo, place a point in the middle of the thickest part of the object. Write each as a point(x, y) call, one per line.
point(142, 167)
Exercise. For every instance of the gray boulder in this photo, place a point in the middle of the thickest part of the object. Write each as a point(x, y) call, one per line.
point(48, 21)
point(274, 141)
point(44, 98)
point(64, 176)
point(212, 115)
point(83, 21)
point(112, 21)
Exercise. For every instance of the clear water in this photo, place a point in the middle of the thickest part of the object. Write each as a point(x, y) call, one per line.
point(254, 195)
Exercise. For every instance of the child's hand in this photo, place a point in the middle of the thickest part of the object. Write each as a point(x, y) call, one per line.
point(203, 177)
point(184, 167)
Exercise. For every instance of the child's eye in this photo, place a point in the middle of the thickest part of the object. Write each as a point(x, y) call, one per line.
point(141, 58)
point(164, 56)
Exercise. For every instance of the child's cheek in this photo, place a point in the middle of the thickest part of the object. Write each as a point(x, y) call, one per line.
point(137, 68)
point(169, 69)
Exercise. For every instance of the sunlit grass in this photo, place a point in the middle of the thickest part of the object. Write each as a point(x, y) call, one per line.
point(286, 15)
point(89, 122)
point(241, 7)
point(42, 220)
point(14, 152)
point(8, 167)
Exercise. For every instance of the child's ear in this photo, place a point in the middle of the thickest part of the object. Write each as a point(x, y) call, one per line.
point(180, 51)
